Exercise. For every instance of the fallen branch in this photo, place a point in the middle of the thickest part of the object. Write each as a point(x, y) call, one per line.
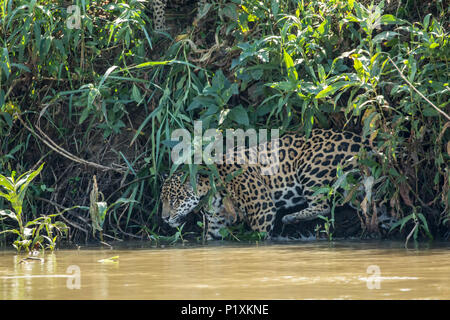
point(52, 145)
point(410, 234)
point(58, 206)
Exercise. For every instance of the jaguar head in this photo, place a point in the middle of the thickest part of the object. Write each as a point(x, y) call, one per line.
point(178, 199)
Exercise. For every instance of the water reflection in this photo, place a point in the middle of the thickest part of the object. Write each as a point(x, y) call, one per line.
point(288, 271)
point(19, 282)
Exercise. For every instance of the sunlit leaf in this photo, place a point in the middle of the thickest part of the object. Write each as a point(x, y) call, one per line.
point(292, 73)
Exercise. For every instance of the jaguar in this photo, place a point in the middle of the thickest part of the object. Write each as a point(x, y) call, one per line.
point(159, 15)
point(255, 196)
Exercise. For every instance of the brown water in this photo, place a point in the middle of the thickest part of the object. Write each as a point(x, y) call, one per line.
point(318, 270)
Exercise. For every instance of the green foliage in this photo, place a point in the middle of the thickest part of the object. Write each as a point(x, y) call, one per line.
point(240, 233)
point(327, 225)
point(113, 91)
point(99, 209)
point(29, 234)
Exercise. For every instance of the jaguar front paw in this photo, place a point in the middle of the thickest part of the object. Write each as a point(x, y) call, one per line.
point(289, 219)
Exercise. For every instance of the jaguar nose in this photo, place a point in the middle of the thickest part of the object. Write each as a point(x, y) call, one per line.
point(165, 211)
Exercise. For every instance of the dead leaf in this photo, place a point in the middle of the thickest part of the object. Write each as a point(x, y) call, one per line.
point(372, 137)
point(366, 114)
point(364, 210)
point(374, 221)
point(114, 259)
point(395, 206)
point(181, 37)
point(404, 193)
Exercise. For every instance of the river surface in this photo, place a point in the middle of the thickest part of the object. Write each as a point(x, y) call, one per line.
point(311, 270)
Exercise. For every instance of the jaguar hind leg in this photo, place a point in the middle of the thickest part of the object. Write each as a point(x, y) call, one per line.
point(256, 201)
point(316, 206)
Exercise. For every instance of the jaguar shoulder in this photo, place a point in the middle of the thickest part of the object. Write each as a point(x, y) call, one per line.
point(256, 197)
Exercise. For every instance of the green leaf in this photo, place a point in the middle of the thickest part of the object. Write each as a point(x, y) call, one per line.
point(136, 94)
point(425, 225)
point(106, 75)
point(152, 63)
point(239, 115)
point(102, 209)
point(292, 73)
point(256, 74)
point(357, 64)
point(275, 7)
point(93, 93)
point(434, 45)
point(385, 36)
point(393, 172)
point(11, 231)
point(430, 112)
point(8, 120)
point(20, 67)
point(4, 62)
point(426, 21)
point(170, 143)
point(390, 19)
point(6, 183)
point(331, 89)
point(402, 222)
point(9, 213)
point(84, 115)
point(323, 190)
point(224, 232)
point(24, 180)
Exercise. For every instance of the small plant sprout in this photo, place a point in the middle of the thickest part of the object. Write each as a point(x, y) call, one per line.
point(38, 233)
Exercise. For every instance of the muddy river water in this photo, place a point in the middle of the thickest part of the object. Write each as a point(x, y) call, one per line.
point(306, 270)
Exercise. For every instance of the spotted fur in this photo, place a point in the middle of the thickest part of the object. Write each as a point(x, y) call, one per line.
point(159, 12)
point(255, 196)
